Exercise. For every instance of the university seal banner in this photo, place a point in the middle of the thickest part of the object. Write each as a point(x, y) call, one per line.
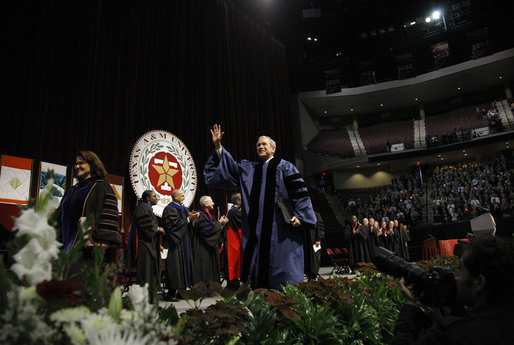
point(161, 162)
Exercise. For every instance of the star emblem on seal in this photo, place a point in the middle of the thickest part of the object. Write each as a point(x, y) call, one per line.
point(165, 172)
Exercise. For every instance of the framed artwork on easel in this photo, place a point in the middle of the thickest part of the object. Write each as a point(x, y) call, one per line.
point(59, 175)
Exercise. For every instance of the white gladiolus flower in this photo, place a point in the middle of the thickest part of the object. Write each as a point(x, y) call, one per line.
point(30, 222)
point(52, 202)
point(75, 333)
point(28, 255)
point(35, 274)
point(29, 265)
point(33, 261)
point(69, 315)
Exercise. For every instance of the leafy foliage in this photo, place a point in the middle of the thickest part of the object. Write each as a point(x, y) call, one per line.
point(451, 262)
point(218, 324)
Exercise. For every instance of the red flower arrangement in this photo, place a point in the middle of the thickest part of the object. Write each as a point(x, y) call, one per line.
point(59, 290)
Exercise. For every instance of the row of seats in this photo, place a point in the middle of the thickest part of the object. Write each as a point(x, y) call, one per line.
point(447, 123)
point(335, 142)
point(375, 137)
point(340, 259)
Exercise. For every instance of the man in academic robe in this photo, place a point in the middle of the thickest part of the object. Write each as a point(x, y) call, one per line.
point(393, 228)
point(207, 231)
point(234, 243)
point(387, 236)
point(359, 247)
point(272, 246)
point(144, 242)
point(177, 222)
point(404, 240)
point(313, 238)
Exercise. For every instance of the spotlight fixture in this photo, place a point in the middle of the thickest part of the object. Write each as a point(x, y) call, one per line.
point(436, 15)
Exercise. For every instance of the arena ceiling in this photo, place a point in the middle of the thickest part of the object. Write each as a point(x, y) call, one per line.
point(451, 82)
point(326, 34)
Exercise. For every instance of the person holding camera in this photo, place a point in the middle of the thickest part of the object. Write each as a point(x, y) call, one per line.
point(485, 290)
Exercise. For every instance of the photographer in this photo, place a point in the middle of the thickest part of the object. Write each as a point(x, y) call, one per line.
point(485, 288)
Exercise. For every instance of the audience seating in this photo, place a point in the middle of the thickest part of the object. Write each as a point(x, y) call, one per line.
point(333, 142)
point(376, 136)
point(446, 123)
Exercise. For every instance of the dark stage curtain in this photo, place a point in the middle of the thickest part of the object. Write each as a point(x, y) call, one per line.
point(97, 75)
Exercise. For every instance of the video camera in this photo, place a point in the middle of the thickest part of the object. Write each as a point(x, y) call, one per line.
point(435, 288)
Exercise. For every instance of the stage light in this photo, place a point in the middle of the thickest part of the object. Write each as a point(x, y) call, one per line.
point(436, 15)
point(309, 38)
point(428, 20)
point(412, 23)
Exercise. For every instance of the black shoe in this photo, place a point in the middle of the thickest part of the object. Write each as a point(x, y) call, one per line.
point(170, 298)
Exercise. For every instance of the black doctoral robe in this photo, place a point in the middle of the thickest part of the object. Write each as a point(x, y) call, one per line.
point(404, 246)
point(359, 248)
point(178, 241)
point(145, 237)
point(313, 235)
point(94, 198)
point(206, 234)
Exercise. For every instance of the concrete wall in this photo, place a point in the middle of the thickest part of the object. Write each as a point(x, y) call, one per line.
point(361, 179)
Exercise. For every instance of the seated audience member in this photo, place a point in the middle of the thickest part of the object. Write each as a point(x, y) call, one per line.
point(485, 287)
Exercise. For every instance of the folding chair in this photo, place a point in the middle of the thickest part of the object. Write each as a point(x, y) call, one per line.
point(344, 256)
point(430, 248)
point(340, 262)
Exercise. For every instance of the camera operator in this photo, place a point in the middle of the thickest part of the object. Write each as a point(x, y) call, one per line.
point(485, 288)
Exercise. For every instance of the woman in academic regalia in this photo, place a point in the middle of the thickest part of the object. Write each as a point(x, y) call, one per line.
point(91, 197)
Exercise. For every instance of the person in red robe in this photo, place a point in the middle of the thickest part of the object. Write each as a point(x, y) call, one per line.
point(233, 243)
